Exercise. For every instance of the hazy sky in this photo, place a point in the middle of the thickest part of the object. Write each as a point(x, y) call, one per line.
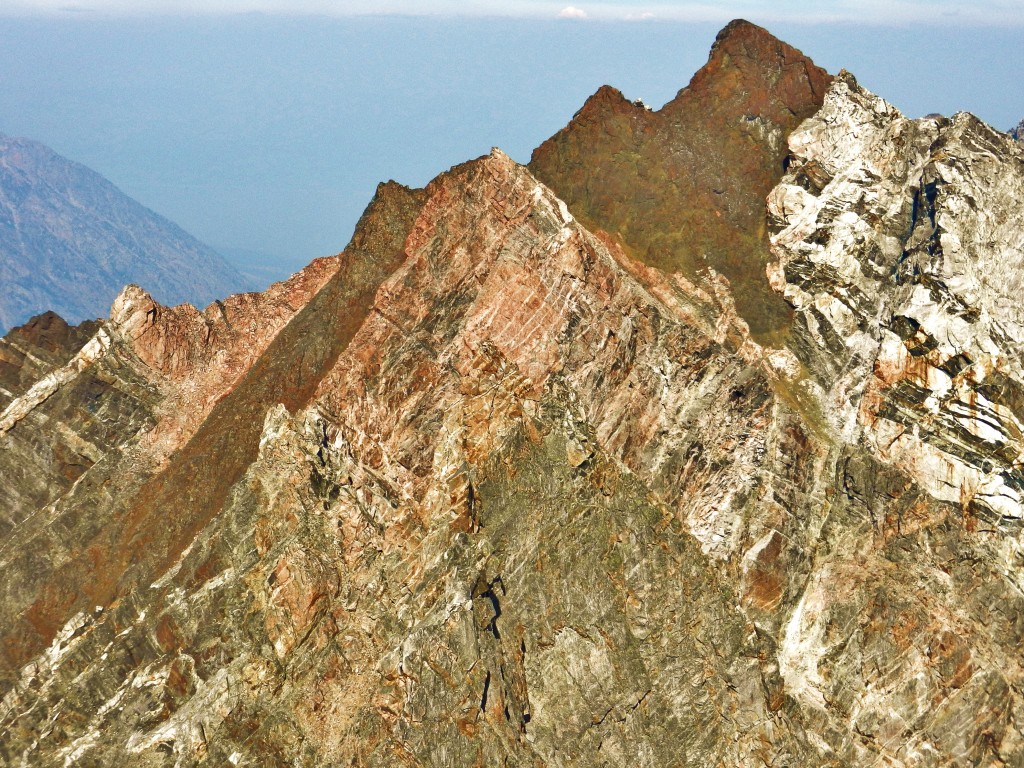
point(857, 11)
point(270, 131)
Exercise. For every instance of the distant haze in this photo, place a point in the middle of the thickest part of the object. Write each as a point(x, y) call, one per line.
point(927, 12)
point(269, 133)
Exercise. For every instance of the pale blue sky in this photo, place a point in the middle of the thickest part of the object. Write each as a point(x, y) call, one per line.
point(804, 11)
point(270, 131)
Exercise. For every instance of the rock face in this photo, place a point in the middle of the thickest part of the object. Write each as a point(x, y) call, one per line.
point(1018, 132)
point(70, 240)
point(901, 246)
point(684, 187)
point(99, 421)
point(490, 489)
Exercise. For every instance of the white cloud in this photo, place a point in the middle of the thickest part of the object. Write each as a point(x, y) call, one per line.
point(572, 12)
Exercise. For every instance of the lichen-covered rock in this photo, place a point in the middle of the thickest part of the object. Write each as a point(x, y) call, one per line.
point(684, 186)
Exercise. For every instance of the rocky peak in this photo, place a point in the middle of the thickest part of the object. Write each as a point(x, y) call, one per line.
point(940, 276)
point(35, 349)
point(182, 342)
point(605, 103)
point(1018, 131)
point(750, 69)
point(509, 339)
point(683, 187)
point(50, 332)
point(487, 488)
point(197, 385)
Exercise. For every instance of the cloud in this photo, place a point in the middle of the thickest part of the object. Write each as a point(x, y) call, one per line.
point(572, 12)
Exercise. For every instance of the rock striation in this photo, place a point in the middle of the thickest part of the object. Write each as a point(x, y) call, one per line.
point(489, 488)
point(900, 246)
point(69, 241)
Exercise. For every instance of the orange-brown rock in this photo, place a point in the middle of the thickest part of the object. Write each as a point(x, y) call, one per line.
point(684, 186)
point(502, 493)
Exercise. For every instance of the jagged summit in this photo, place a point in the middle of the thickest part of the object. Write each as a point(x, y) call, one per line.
point(684, 186)
point(750, 54)
point(490, 489)
point(749, 68)
point(1018, 132)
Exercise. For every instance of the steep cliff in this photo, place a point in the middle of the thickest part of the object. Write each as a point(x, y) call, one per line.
point(901, 246)
point(490, 489)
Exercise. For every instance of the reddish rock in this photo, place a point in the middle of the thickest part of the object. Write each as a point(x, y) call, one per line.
point(683, 187)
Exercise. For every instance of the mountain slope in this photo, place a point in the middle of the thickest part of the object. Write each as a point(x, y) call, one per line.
point(504, 482)
point(487, 489)
point(69, 241)
point(684, 186)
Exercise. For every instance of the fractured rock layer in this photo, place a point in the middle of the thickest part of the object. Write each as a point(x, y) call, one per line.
point(491, 489)
point(901, 246)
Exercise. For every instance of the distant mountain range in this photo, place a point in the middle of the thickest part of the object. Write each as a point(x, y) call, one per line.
point(70, 240)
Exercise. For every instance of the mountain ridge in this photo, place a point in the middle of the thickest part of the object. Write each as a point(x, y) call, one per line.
point(505, 492)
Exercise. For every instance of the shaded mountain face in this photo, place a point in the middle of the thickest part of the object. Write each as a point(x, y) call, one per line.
point(1018, 132)
point(70, 240)
point(684, 186)
point(489, 489)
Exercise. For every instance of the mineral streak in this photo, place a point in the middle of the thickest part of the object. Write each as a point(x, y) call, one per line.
point(489, 488)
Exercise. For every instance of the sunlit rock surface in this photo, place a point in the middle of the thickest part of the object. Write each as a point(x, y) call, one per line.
point(489, 489)
point(901, 245)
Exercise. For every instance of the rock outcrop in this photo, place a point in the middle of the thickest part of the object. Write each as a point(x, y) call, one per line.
point(70, 240)
point(115, 410)
point(901, 246)
point(684, 186)
point(491, 489)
